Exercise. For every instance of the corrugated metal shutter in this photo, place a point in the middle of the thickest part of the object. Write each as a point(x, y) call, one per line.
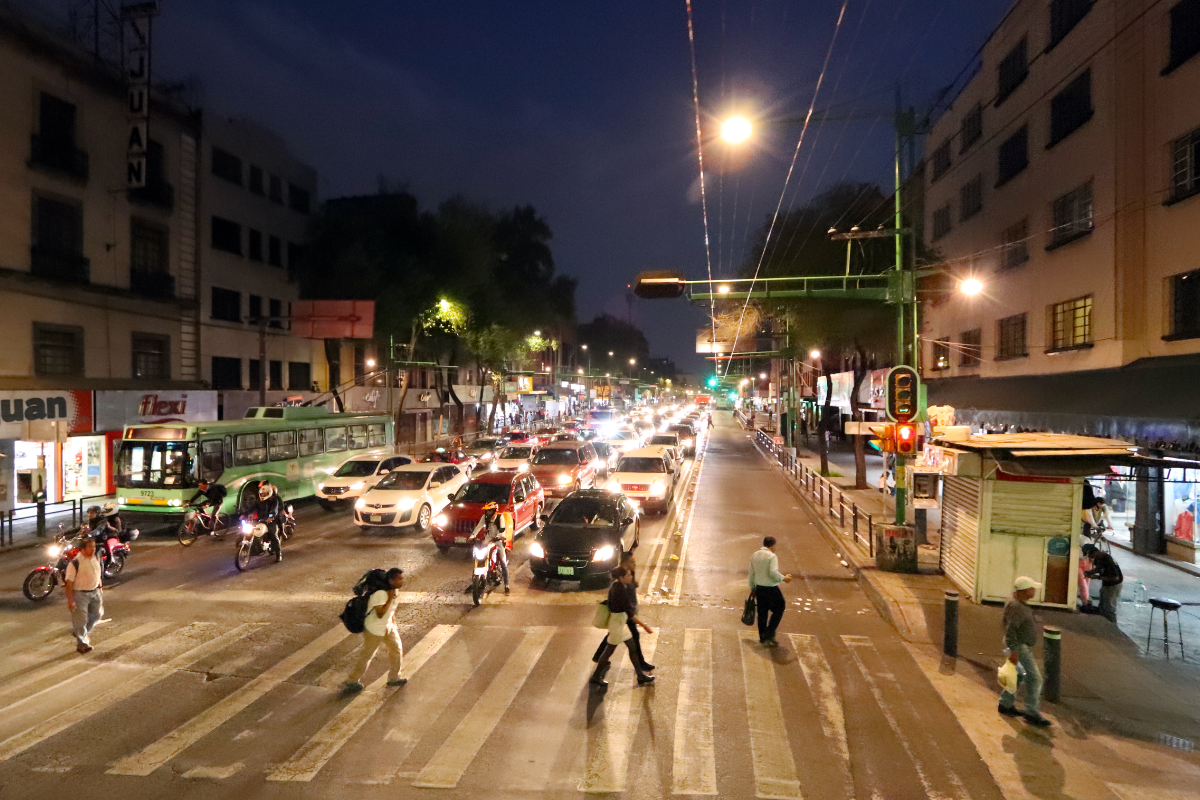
point(960, 531)
point(1032, 509)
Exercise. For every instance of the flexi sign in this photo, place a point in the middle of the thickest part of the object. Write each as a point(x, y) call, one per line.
point(116, 409)
point(19, 408)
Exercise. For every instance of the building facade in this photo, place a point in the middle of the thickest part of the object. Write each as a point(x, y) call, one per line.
point(1065, 176)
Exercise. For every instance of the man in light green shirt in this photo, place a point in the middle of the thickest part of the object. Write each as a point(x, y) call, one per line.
point(765, 578)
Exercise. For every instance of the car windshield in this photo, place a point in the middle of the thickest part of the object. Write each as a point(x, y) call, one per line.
point(589, 511)
point(663, 438)
point(602, 449)
point(403, 480)
point(484, 444)
point(482, 493)
point(557, 457)
point(642, 465)
point(516, 452)
point(356, 469)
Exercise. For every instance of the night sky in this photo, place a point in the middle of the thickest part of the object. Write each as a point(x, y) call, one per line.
point(583, 109)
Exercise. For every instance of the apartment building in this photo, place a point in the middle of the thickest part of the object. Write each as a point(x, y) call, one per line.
point(255, 203)
point(1065, 177)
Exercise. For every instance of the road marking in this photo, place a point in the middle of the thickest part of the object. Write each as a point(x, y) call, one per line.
point(855, 644)
point(450, 762)
point(127, 687)
point(158, 753)
point(608, 748)
point(770, 751)
point(819, 677)
point(215, 773)
point(695, 769)
point(101, 648)
point(325, 743)
point(252, 597)
point(661, 564)
point(687, 535)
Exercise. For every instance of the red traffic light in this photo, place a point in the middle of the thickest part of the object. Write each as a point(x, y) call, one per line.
point(906, 439)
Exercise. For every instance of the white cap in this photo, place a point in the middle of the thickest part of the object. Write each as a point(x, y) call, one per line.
point(1023, 583)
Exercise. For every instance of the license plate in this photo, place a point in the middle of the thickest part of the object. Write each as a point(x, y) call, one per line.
point(481, 570)
point(566, 570)
point(377, 518)
point(460, 540)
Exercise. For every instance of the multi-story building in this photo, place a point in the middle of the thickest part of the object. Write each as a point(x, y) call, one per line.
point(255, 203)
point(1065, 177)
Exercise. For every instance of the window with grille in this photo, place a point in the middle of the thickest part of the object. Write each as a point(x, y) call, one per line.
point(971, 198)
point(1071, 324)
point(151, 356)
point(57, 239)
point(226, 372)
point(1071, 108)
point(1064, 16)
point(972, 127)
point(226, 305)
point(226, 236)
point(1010, 337)
point(1013, 156)
point(1185, 306)
point(299, 376)
point(939, 160)
point(57, 350)
point(941, 353)
point(972, 348)
point(1185, 167)
point(1072, 216)
point(1012, 71)
point(227, 166)
point(941, 221)
point(1014, 245)
point(148, 247)
point(1185, 33)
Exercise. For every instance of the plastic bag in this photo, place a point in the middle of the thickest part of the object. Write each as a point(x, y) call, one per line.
point(1008, 676)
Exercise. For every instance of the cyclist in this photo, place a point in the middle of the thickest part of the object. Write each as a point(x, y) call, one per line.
point(268, 510)
point(496, 527)
point(213, 493)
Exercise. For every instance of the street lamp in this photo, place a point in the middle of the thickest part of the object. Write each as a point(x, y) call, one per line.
point(736, 129)
point(971, 287)
point(762, 376)
point(589, 352)
point(814, 354)
point(370, 362)
point(723, 288)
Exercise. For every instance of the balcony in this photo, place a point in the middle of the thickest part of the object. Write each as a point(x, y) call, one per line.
point(53, 156)
point(152, 283)
point(154, 193)
point(55, 265)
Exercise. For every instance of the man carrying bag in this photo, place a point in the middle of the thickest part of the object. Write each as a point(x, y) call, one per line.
point(765, 578)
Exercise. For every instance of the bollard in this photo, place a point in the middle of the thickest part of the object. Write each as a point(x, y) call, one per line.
point(950, 629)
point(1052, 639)
point(41, 518)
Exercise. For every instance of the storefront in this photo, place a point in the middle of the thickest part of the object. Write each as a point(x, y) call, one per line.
point(42, 426)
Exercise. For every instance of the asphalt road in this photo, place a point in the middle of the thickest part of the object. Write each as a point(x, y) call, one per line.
point(211, 683)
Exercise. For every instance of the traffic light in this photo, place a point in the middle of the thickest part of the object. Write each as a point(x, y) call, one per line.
point(712, 382)
point(886, 441)
point(906, 439)
point(902, 394)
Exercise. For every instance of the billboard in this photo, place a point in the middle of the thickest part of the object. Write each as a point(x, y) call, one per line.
point(24, 414)
point(114, 410)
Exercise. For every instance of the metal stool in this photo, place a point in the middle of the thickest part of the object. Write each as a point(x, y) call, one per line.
point(1165, 606)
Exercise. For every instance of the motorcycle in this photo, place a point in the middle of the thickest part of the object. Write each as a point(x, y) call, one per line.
point(487, 575)
point(41, 582)
point(252, 542)
point(113, 549)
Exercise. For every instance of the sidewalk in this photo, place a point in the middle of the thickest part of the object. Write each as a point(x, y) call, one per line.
point(1126, 721)
point(24, 533)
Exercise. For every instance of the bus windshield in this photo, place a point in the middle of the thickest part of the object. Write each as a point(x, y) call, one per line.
point(156, 465)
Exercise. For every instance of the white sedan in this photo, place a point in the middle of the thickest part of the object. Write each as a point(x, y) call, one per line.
point(409, 496)
point(514, 458)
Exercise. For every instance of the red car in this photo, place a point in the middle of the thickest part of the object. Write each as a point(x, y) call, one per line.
point(450, 455)
point(517, 493)
point(565, 467)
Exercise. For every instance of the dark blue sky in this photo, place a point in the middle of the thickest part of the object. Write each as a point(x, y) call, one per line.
point(583, 109)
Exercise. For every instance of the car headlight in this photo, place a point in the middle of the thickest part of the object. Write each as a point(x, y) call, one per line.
point(486, 457)
point(320, 486)
point(537, 551)
point(361, 503)
point(688, 442)
point(495, 467)
point(441, 520)
point(354, 487)
point(523, 467)
point(406, 503)
point(563, 480)
point(604, 553)
point(613, 486)
point(658, 488)
point(53, 550)
point(480, 553)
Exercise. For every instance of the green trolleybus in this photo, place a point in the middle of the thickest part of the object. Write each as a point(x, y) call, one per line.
point(158, 467)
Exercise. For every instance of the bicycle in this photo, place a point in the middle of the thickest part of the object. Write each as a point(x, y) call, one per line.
point(201, 521)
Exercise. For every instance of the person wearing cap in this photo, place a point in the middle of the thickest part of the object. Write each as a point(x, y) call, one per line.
point(1105, 567)
point(1020, 636)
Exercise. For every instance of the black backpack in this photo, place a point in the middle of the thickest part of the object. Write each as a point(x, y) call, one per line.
point(354, 615)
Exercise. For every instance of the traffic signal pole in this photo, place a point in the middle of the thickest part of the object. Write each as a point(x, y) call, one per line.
point(901, 308)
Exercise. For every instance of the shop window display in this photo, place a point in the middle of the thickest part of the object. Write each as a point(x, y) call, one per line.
point(1180, 491)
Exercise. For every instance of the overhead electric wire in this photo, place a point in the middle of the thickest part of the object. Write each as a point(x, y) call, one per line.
point(691, 28)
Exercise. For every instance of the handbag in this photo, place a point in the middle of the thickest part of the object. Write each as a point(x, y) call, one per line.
point(600, 620)
point(618, 628)
point(748, 610)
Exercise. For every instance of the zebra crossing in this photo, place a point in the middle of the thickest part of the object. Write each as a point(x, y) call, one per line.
point(502, 707)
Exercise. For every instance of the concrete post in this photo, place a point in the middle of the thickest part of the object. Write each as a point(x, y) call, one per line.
point(1052, 639)
point(950, 628)
point(41, 517)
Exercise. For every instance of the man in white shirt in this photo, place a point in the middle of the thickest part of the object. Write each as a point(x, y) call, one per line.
point(84, 595)
point(764, 582)
point(379, 629)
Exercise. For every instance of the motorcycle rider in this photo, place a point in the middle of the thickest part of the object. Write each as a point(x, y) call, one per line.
point(495, 527)
point(112, 519)
point(267, 510)
point(213, 493)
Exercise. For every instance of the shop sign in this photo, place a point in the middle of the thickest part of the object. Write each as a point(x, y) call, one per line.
point(524, 384)
point(115, 410)
point(17, 409)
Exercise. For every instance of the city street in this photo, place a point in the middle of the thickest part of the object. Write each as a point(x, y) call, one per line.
point(211, 683)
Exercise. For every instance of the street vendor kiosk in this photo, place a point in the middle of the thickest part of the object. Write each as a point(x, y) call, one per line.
point(1010, 506)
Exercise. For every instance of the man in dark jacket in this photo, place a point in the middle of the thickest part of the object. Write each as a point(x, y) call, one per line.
point(267, 510)
point(213, 494)
point(1108, 571)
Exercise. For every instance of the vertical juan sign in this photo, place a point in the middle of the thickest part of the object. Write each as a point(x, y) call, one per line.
point(135, 51)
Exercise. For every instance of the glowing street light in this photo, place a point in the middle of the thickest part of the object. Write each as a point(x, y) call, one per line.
point(762, 376)
point(814, 354)
point(370, 362)
point(971, 287)
point(736, 129)
point(723, 288)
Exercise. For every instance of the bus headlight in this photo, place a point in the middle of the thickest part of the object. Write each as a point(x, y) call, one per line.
point(176, 502)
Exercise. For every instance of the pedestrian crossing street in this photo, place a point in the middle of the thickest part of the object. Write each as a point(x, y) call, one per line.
point(502, 708)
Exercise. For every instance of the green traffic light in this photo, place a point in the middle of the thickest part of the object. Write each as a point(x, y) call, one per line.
point(712, 382)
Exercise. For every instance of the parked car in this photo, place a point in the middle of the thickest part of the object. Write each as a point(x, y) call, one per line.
point(517, 493)
point(565, 467)
point(585, 536)
point(353, 477)
point(409, 496)
point(647, 477)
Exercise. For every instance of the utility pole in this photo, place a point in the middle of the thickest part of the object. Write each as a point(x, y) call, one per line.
point(902, 307)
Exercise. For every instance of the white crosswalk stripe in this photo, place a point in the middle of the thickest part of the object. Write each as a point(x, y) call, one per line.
point(695, 763)
point(607, 759)
point(770, 751)
point(821, 684)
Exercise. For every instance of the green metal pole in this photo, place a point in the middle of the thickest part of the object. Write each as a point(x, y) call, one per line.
point(900, 339)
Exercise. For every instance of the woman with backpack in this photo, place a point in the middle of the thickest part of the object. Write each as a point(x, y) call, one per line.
point(379, 629)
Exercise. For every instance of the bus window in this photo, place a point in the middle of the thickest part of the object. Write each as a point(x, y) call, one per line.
point(283, 446)
point(228, 448)
point(358, 437)
point(251, 448)
point(211, 462)
point(310, 442)
point(377, 433)
point(154, 465)
point(335, 439)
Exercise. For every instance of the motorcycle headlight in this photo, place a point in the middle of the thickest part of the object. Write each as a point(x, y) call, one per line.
point(658, 488)
point(604, 553)
point(523, 467)
point(406, 504)
point(247, 526)
point(53, 550)
point(537, 551)
point(361, 503)
point(688, 442)
point(480, 553)
point(563, 480)
point(441, 520)
point(613, 486)
point(354, 487)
